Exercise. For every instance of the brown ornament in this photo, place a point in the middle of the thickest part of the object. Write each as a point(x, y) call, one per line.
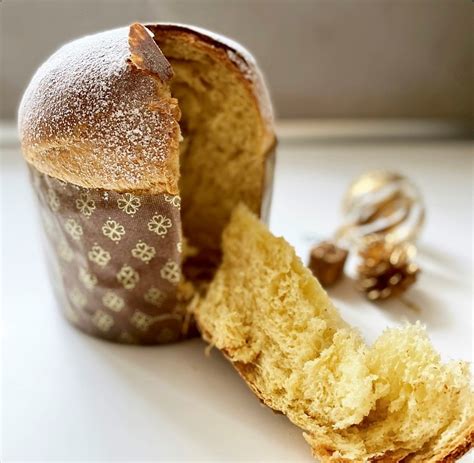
point(386, 269)
point(327, 262)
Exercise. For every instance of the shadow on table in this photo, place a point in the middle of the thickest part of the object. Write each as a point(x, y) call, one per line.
point(204, 399)
point(415, 305)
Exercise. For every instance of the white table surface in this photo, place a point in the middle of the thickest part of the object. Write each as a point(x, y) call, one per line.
point(66, 396)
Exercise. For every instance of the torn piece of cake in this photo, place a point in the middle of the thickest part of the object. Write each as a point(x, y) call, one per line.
point(392, 401)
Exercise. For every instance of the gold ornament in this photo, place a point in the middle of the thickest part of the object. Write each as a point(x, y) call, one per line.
point(327, 262)
point(386, 268)
point(383, 203)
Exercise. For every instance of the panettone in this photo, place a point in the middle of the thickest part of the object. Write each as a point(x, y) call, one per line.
point(140, 141)
point(389, 402)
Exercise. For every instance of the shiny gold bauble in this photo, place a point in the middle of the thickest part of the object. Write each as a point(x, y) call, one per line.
point(382, 203)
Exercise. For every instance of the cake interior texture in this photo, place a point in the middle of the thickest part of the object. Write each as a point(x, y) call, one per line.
point(391, 401)
point(221, 159)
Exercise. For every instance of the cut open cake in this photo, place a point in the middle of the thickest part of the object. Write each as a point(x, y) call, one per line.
point(226, 130)
point(155, 131)
point(391, 401)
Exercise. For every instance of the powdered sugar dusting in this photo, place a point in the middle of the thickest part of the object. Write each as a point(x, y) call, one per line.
point(89, 117)
point(96, 114)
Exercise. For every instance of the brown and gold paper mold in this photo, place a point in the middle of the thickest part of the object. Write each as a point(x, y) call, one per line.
point(100, 129)
point(117, 257)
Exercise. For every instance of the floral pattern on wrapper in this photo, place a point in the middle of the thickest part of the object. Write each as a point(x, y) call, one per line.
point(117, 258)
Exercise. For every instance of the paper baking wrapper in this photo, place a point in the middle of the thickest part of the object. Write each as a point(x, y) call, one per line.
point(115, 260)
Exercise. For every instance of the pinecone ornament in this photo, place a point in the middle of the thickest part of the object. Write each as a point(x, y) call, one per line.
point(386, 269)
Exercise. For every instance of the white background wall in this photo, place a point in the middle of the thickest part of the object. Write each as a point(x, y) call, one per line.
point(322, 58)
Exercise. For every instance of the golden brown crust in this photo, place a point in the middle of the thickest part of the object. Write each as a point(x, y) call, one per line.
point(459, 448)
point(325, 454)
point(99, 114)
point(145, 53)
point(92, 118)
point(448, 454)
